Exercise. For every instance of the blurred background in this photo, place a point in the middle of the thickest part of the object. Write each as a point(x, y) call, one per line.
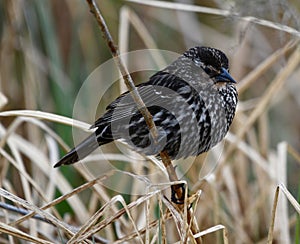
point(49, 48)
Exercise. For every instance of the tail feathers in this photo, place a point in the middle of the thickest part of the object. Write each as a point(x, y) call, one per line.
point(79, 152)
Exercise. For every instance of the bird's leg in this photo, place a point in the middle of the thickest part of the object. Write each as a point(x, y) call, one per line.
point(178, 193)
point(178, 190)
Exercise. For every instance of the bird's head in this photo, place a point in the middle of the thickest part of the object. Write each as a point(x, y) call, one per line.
point(213, 61)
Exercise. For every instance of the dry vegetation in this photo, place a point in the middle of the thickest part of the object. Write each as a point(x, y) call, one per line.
point(244, 191)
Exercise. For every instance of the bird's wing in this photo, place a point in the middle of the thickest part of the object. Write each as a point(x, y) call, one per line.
point(151, 92)
point(124, 106)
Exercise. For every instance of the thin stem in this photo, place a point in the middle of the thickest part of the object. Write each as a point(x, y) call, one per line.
point(125, 74)
point(140, 104)
point(134, 92)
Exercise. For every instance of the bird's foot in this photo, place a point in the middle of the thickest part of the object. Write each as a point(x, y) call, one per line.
point(178, 193)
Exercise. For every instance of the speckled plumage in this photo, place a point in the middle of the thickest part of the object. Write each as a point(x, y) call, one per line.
point(192, 102)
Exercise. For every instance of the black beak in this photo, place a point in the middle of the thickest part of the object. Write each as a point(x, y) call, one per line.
point(225, 77)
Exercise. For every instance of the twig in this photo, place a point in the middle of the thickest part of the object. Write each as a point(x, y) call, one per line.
point(138, 100)
point(134, 92)
point(23, 211)
point(272, 224)
point(61, 198)
point(26, 212)
point(125, 74)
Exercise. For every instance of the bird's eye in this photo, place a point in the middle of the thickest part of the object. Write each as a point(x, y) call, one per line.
point(210, 71)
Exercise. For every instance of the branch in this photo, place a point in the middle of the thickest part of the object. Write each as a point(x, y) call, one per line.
point(126, 76)
point(133, 91)
point(178, 190)
point(25, 212)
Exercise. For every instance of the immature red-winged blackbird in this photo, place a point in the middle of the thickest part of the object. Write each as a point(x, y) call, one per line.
point(192, 102)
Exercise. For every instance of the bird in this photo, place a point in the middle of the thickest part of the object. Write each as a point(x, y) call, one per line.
point(192, 102)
